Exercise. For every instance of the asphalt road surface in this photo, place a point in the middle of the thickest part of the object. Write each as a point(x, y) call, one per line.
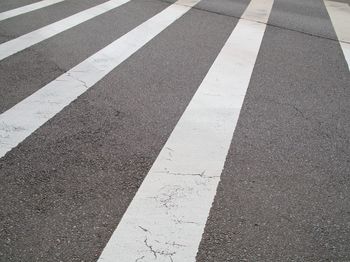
point(153, 130)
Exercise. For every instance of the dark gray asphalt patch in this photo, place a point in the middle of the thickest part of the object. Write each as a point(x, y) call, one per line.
point(24, 73)
point(64, 189)
point(284, 193)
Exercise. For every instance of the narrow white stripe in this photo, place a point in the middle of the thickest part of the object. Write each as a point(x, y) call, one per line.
point(340, 17)
point(166, 218)
point(27, 9)
point(20, 121)
point(20, 43)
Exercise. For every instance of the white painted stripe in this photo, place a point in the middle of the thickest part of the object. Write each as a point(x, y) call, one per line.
point(166, 218)
point(20, 43)
point(20, 121)
point(258, 11)
point(27, 8)
point(340, 17)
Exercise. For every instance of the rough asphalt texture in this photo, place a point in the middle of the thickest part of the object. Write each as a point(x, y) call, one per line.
point(284, 194)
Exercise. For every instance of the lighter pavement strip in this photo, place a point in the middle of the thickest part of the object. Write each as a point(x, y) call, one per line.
point(20, 43)
point(166, 219)
point(340, 17)
point(27, 8)
point(24, 118)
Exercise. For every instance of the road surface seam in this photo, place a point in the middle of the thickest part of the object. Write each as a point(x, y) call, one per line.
point(266, 23)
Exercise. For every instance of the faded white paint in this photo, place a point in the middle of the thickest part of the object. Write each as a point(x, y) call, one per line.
point(27, 8)
point(20, 43)
point(20, 121)
point(166, 218)
point(340, 17)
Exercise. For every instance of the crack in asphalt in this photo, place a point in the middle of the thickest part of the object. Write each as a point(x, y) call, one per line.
point(312, 120)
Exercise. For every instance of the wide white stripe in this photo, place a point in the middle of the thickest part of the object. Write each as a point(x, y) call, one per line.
point(340, 17)
point(20, 43)
point(27, 8)
point(166, 218)
point(20, 121)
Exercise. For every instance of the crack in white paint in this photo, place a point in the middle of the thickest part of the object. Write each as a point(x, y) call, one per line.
point(144, 229)
point(20, 43)
point(159, 252)
point(24, 118)
point(27, 8)
point(174, 200)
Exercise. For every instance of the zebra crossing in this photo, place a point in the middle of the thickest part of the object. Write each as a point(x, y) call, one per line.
point(141, 185)
point(24, 118)
point(186, 169)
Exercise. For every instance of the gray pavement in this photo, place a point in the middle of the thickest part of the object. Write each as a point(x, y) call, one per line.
point(284, 191)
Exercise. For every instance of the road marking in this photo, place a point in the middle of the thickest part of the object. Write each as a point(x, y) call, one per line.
point(28, 8)
point(258, 11)
point(24, 118)
point(340, 17)
point(166, 218)
point(20, 43)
